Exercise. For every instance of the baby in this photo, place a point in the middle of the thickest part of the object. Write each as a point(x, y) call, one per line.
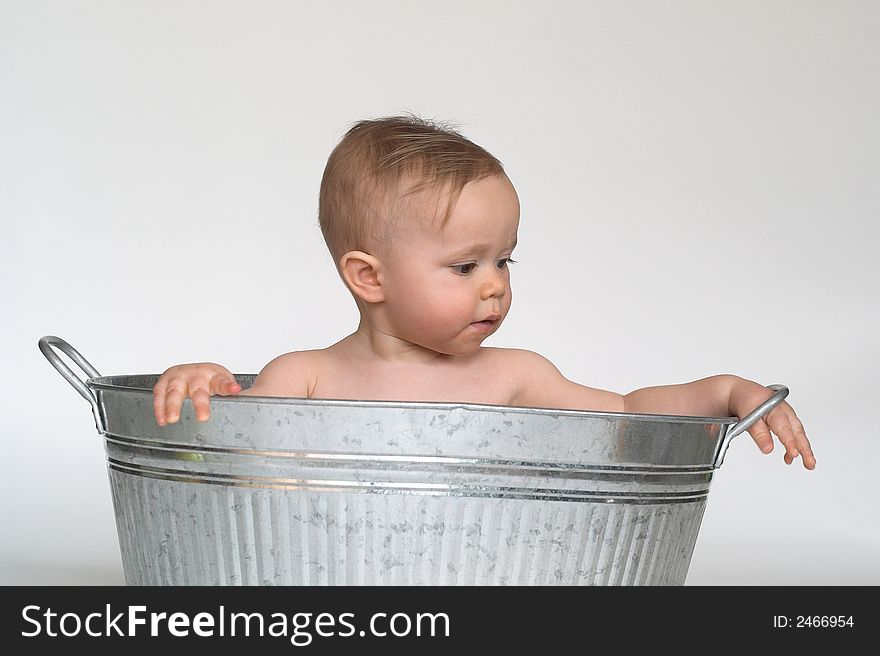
point(422, 224)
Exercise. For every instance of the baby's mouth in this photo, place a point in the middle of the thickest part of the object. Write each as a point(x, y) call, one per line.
point(487, 324)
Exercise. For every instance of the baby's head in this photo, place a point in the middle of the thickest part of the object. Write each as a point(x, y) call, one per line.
point(421, 223)
point(381, 166)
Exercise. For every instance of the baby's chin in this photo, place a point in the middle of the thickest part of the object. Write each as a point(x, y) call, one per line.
point(463, 353)
point(467, 342)
point(463, 349)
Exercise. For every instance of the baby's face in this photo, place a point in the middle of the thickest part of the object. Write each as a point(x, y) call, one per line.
point(448, 290)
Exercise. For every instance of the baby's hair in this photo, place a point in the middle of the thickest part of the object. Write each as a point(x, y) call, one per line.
point(379, 162)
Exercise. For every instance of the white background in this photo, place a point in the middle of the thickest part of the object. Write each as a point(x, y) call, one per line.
point(699, 186)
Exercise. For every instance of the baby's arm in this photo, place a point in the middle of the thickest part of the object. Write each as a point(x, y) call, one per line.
point(729, 396)
point(286, 375)
point(541, 385)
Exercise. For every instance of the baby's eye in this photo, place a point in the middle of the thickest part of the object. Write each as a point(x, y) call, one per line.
point(505, 261)
point(464, 269)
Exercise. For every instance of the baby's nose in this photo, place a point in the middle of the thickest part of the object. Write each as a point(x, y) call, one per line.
point(494, 286)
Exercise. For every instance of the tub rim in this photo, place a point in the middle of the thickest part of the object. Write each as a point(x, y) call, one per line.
point(105, 383)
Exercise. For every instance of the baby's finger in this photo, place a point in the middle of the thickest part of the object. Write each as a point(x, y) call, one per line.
point(200, 395)
point(174, 396)
point(782, 428)
point(224, 385)
point(159, 400)
point(761, 434)
point(784, 422)
point(803, 443)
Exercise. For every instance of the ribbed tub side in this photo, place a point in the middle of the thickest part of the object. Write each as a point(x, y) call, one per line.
point(181, 533)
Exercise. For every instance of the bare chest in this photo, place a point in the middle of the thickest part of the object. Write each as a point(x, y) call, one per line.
point(465, 384)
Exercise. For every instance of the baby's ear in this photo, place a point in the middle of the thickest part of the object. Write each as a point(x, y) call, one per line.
point(361, 273)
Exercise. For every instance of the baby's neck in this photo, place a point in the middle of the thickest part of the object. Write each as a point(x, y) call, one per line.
point(381, 348)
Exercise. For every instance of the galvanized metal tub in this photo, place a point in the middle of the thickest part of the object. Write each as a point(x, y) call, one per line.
point(284, 491)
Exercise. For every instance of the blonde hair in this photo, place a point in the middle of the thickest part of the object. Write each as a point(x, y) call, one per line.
point(378, 163)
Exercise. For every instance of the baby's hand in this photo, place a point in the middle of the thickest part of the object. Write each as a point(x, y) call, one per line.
point(196, 381)
point(745, 396)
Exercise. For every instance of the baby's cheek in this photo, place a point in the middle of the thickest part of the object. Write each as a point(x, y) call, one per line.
point(449, 319)
point(462, 312)
point(447, 307)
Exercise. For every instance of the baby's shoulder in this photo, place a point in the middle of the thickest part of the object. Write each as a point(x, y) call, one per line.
point(295, 358)
point(519, 359)
point(521, 370)
point(289, 374)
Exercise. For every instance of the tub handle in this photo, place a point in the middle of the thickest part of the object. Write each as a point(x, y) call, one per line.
point(744, 423)
point(46, 345)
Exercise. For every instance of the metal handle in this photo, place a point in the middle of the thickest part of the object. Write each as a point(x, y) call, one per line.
point(744, 423)
point(46, 345)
